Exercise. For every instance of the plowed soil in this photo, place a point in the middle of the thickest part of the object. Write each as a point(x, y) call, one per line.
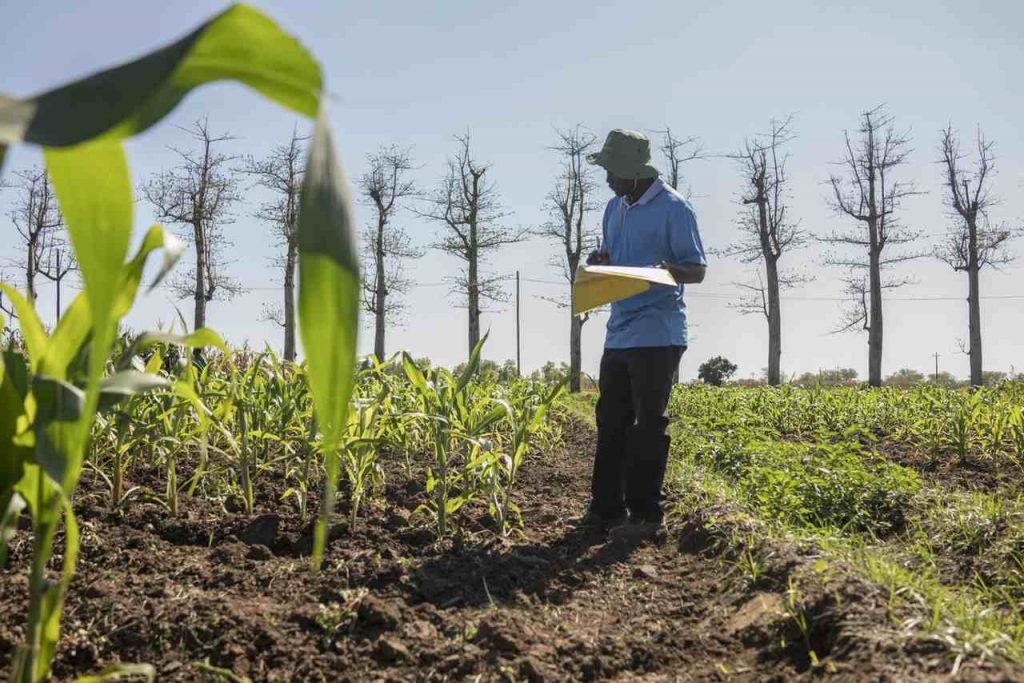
point(210, 591)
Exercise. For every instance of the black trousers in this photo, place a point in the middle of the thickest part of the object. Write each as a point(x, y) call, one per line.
point(632, 425)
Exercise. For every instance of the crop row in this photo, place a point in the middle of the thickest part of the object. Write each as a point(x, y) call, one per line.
point(812, 465)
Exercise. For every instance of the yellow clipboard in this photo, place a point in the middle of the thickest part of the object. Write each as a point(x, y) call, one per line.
point(599, 285)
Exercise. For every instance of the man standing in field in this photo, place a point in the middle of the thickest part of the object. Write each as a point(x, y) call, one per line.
point(647, 223)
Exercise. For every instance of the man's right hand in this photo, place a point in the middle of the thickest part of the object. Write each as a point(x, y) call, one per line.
point(598, 258)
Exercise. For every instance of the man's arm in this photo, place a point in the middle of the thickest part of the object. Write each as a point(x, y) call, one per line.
point(686, 273)
point(686, 262)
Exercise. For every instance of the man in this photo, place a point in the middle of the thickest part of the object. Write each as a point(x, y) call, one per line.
point(647, 223)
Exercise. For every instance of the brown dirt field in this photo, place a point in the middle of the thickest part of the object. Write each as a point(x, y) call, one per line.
point(392, 605)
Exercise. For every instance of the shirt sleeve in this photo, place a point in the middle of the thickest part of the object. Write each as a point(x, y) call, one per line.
point(684, 237)
point(604, 227)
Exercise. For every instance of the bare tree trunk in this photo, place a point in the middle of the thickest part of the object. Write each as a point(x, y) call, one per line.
point(30, 274)
point(974, 305)
point(774, 323)
point(568, 204)
point(466, 203)
point(768, 233)
point(289, 301)
point(575, 353)
point(196, 196)
point(200, 288)
point(871, 196)
point(875, 334)
point(970, 247)
point(473, 303)
point(381, 293)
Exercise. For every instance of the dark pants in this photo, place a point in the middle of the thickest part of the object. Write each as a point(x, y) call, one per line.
point(632, 439)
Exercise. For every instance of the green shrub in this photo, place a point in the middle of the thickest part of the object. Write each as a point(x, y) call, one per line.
point(817, 484)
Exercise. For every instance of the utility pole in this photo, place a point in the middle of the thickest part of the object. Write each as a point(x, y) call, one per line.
point(519, 367)
point(936, 368)
point(60, 276)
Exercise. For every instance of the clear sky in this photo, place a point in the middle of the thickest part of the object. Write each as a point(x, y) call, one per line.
point(415, 73)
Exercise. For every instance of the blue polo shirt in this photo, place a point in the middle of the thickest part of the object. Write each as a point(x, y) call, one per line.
point(660, 226)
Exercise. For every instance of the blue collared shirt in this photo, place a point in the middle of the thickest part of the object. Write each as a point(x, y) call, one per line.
point(660, 226)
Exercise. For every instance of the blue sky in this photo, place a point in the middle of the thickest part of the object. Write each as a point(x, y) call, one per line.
point(415, 73)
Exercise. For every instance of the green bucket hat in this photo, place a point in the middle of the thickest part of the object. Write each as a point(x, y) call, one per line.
point(626, 154)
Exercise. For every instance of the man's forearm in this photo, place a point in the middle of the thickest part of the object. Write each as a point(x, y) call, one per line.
point(686, 273)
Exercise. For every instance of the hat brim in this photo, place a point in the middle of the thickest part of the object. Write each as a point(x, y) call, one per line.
point(628, 172)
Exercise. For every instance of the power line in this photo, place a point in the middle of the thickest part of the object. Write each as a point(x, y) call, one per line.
point(690, 294)
point(725, 295)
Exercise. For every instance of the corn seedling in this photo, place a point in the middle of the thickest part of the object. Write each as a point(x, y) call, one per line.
point(48, 399)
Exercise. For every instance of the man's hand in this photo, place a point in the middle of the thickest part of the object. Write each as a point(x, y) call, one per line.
point(598, 258)
point(685, 273)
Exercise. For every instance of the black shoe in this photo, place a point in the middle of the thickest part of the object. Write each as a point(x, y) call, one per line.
point(636, 531)
point(594, 521)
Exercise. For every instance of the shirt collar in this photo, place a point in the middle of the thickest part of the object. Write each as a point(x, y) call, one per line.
point(657, 186)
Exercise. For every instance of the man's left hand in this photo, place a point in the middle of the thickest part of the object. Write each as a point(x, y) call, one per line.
point(685, 273)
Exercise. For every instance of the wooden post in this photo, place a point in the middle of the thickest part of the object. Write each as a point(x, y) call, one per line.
point(519, 368)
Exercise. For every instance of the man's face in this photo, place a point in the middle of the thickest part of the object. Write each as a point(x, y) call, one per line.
point(620, 186)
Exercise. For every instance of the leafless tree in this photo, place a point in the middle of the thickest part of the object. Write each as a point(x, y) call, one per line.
point(870, 195)
point(6, 308)
point(973, 243)
point(58, 264)
point(766, 230)
point(197, 196)
point(38, 220)
point(467, 206)
point(568, 205)
point(677, 152)
point(386, 245)
point(281, 172)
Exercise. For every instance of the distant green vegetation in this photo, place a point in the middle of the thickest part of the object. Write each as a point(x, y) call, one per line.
point(942, 531)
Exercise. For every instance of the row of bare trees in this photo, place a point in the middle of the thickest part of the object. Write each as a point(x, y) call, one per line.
point(43, 246)
point(869, 193)
point(199, 194)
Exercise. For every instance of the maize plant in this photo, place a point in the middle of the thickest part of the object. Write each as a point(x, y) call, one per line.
point(455, 425)
point(498, 468)
point(49, 399)
point(359, 449)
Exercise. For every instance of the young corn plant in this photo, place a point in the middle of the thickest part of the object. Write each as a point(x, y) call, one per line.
point(1016, 430)
point(455, 424)
point(500, 468)
point(48, 399)
point(303, 469)
point(46, 421)
point(359, 450)
point(962, 426)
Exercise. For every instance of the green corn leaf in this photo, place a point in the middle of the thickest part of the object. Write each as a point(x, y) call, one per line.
point(13, 456)
point(473, 365)
point(66, 341)
point(240, 44)
point(94, 189)
point(328, 302)
point(156, 238)
point(11, 505)
point(117, 672)
point(31, 328)
point(53, 599)
point(75, 325)
point(59, 407)
point(127, 383)
point(202, 337)
point(154, 364)
point(415, 375)
point(14, 382)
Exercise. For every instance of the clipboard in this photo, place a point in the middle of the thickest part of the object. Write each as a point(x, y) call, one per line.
point(599, 285)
